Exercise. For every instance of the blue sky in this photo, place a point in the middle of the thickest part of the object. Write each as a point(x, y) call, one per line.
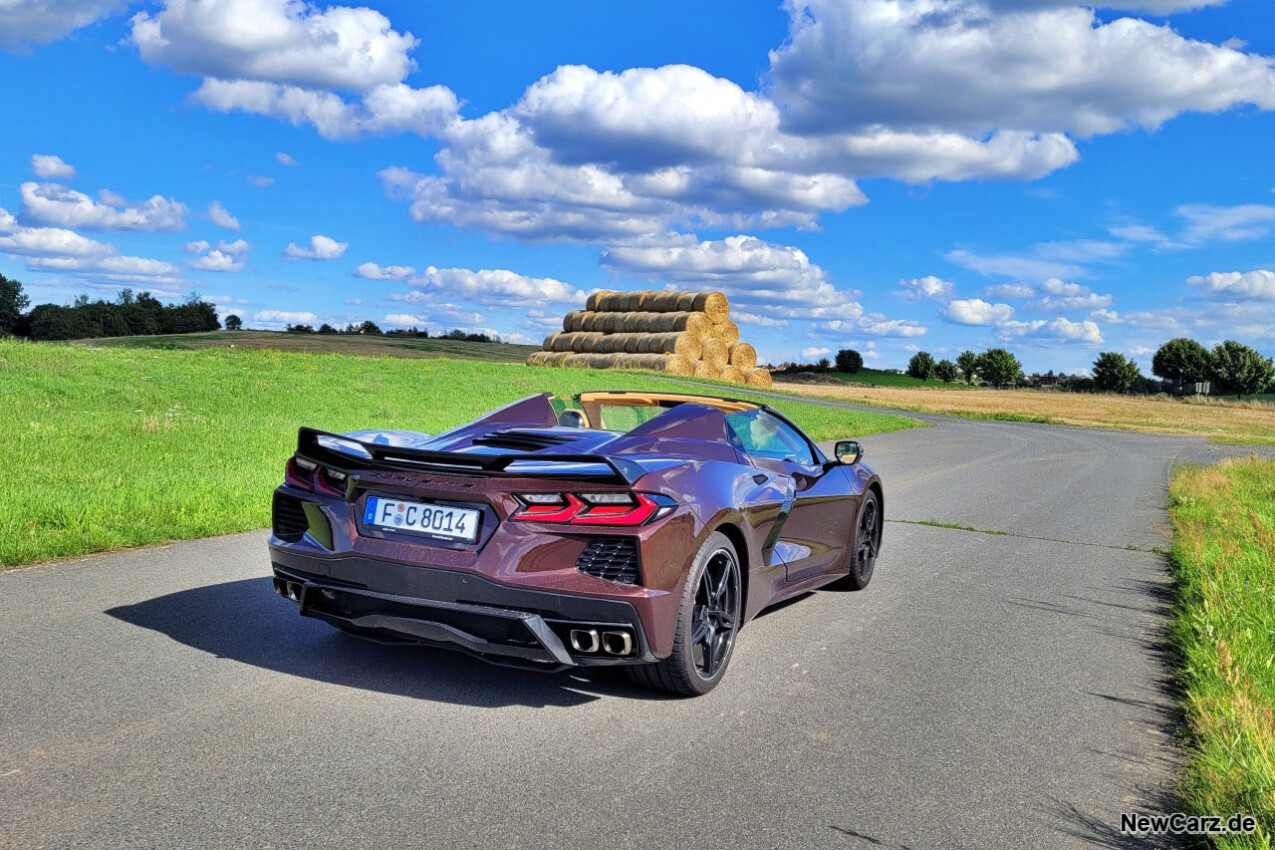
point(888, 175)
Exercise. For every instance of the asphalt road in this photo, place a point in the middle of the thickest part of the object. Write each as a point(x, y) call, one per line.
point(986, 690)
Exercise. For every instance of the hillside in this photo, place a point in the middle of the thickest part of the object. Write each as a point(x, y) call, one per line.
point(385, 346)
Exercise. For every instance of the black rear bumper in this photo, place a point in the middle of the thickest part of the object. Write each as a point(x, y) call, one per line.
point(399, 603)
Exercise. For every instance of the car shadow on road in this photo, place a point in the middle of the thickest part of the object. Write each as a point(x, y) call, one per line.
point(245, 621)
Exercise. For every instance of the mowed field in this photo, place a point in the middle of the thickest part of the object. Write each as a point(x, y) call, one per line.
point(391, 346)
point(114, 447)
point(1220, 420)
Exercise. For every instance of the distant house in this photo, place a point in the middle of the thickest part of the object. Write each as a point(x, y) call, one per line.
point(1049, 380)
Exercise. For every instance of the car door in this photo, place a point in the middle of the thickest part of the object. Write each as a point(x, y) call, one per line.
point(816, 533)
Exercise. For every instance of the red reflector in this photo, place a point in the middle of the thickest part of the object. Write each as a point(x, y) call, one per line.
point(619, 514)
point(550, 513)
point(297, 477)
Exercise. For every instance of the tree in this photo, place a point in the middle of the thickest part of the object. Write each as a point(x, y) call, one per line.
point(967, 363)
point(1183, 361)
point(325, 328)
point(921, 366)
point(823, 365)
point(945, 371)
point(849, 361)
point(998, 367)
point(299, 329)
point(12, 305)
point(1236, 368)
point(369, 327)
point(1113, 372)
point(234, 323)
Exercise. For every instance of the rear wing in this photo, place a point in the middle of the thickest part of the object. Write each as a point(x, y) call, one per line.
point(350, 453)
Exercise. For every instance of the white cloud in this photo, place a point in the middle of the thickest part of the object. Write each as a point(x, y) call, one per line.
point(220, 216)
point(1058, 296)
point(284, 41)
point(442, 312)
point(259, 180)
point(49, 167)
point(321, 248)
point(758, 275)
point(284, 316)
point(809, 353)
point(42, 21)
point(965, 67)
point(404, 320)
point(1207, 223)
point(878, 325)
point(976, 311)
point(1008, 290)
point(747, 318)
point(53, 203)
point(285, 159)
point(56, 249)
point(932, 287)
point(226, 257)
point(46, 241)
point(371, 271)
point(1054, 330)
point(354, 301)
point(1256, 285)
point(1013, 265)
point(497, 287)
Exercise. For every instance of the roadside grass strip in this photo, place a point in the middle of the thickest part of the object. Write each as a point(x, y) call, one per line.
point(107, 448)
point(1224, 634)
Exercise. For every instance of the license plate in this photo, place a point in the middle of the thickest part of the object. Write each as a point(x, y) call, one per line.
point(434, 520)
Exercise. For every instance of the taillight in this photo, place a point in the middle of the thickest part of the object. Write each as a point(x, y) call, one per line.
point(625, 509)
point(308, 475)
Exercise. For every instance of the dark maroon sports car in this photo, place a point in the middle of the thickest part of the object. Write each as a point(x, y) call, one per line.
point(632, 528)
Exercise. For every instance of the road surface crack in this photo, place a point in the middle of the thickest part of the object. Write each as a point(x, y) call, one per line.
point(1131, 547)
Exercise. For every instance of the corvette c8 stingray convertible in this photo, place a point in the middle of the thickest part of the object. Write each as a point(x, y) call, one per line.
point(634, 528)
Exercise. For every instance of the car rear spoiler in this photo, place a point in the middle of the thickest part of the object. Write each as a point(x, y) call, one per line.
point(349, 453)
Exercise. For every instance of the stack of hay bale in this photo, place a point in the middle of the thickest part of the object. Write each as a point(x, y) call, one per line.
point(679, 333)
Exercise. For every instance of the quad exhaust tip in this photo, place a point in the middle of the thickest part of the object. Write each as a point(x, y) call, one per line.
point(592, 642)
point(288, 589)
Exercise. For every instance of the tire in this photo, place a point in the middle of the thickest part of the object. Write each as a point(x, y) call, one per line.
point(708, 622)
point(867, 544)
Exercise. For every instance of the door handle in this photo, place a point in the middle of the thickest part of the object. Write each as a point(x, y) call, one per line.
point(759, 478)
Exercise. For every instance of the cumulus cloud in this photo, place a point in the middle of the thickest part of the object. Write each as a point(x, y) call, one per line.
point(976, 311)
point(878, 325)
point(321, 248)
point(220, 216)
point(341, 47)
point(1256, 285)
point(226, 257)
point(284, 316)
point(932, 287)
point(56, 249)
point(744, 317)
point(371, 271)
point(777, 279)
point(968, 67)
point(496, 287)
point(812, 352)
point(49, 167)
point(259, 180)
point(53, 203)
point(1058, 330)
point(1058, 296)
point(41, 21)
point(284, 159)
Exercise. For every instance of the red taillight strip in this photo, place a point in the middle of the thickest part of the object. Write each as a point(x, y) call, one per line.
point(293, 477)
point(627, 515)
point(550, 513)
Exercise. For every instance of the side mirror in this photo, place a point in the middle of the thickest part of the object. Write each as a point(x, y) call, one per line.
point(848, 451)
point(571, 418)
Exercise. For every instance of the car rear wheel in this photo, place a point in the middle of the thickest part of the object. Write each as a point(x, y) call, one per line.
point(707, 622)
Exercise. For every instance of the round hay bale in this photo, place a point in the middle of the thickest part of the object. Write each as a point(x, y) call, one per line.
point(704, 369)
point(645, 297)
point(713, 350)
point(547, 345)
point(539, 358)
point(676, 364)
point(686, 302)
point(757, 377)
point(743, 355)
point(697, 324)
point(630, 323)
point(714, 305)
point(561, 341)
point(591, 303)
point(661, 302)
point(734, 374)
point(573, 321)
point(558, 358)
point(727, 332)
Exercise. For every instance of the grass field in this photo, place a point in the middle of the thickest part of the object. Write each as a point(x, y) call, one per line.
point(1224, 633)
point(114, 447)
point(1224, 421)
point(392, 346)
point(881, 378)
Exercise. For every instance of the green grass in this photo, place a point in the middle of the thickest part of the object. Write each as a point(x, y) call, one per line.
point(393, 346)
point(1224, 634)
point(114, 447)
point(881, 378)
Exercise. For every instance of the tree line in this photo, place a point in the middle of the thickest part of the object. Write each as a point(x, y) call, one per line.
point(130, 314)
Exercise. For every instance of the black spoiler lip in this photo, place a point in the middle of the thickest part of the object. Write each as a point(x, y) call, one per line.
point(400, 458)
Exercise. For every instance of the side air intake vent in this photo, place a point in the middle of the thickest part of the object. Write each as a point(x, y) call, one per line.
point(611, 558)
point(290, 523)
